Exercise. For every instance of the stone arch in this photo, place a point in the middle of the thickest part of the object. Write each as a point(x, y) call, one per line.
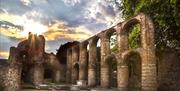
point(75, 74)
point(146, 29)
point(111, 35)
point(109, 32)
point(93, 40)
point(133, 61)
point(112, 63)
point(147, 47)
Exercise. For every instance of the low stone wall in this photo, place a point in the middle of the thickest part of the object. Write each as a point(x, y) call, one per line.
point(10, 77)
point(168, 70)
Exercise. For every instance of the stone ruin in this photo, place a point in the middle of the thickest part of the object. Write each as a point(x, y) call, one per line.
point(151, 70)
point(27, 63)
point(143, 68)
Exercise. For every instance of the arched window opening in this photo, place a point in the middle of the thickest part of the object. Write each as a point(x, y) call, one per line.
point(134, 37)
point(98, 61)
point(113, 43)
point(134, 67)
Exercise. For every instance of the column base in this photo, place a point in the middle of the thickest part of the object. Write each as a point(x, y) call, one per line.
point(123, 89)
point(91, 78)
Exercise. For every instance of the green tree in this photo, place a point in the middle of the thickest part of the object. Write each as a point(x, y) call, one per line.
point(166, 18)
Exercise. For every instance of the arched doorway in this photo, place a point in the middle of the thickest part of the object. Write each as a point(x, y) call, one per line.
point(133, 62)
point(23, 56)
point(112, 63)
point(75, 73)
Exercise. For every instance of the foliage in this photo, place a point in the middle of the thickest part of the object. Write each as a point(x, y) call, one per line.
point(134, 36)
point(133, 39)
point(165, 15)
point(113, 44)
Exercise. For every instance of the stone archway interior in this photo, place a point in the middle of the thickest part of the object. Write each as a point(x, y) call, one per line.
point(113, 72)
point(25, 67)
point(134, 67)
point(76, 71)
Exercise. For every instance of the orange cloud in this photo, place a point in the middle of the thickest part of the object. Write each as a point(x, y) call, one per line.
point(60, 30)
point(53, 31)
point(12, 32)
point(4, 54)
point(52, 35)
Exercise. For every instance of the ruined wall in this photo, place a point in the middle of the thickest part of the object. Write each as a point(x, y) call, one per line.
point(55, 67)
point(10, 73)
point(168, 70)
point(62, 57)
point(28, 52)
point(146, 51)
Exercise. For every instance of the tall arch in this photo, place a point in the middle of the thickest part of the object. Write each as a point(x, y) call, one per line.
point(83, 61)
point(92, 65)
point(75, 73)
point(149, 82)
point(133, 63)
point(75, 59)
point(112, 65)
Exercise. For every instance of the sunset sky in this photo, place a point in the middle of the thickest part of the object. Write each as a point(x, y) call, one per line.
point(59, 21)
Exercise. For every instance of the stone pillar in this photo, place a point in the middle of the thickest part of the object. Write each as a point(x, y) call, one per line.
point(92, 63)
point(123, 77)
point(69, 65)
point(38, 73)
point(75, 63)
point(83, 62)
point(10, 76)
point(105, 50)
point(149, 77)
point(149, 70)
point(56, 76)
point(122, 69)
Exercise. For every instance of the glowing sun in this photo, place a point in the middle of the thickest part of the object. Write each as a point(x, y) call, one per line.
point(34, 27)
point(29, 25)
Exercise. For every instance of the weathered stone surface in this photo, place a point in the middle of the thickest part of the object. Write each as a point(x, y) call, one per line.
point(146, 53)
point(10, 75)
point(83, 66)
point(30, 51)
point(55, 66)
point(75, 61)
point(168, 70)
point(75, 64)
point(92, 62)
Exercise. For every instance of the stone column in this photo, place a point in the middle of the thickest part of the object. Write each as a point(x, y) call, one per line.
point(149, 70)
point(10, 76)
point(122, 69)
point(38, 73)
point(123, 77)
point(83, 62)
point(75, 62)
point(105, 50)
point(92, 63)
point(69, 65)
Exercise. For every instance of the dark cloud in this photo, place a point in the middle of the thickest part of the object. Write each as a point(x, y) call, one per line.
point(52, 46)
point(6, 42)
point(14, 6)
